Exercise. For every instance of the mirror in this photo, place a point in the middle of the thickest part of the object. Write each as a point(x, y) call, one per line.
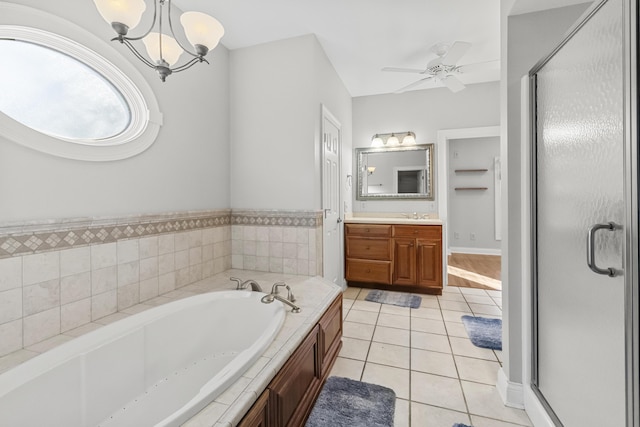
point(403, 173)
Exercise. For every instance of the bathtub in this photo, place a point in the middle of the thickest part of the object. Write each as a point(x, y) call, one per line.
point(159, 367)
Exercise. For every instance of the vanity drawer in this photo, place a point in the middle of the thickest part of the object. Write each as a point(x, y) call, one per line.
point(431, 232)
point(360, 270)
point(362, 247)
point(371, 230)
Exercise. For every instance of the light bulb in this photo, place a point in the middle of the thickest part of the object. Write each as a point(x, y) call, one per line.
point(377, 141)
point(202, 30)
point(410, 139)
point(393, 141)
point(171, 50)
point(127, 12)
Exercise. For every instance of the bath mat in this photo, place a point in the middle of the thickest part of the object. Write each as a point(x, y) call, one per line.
point(460, 425)
point(484, 332)
point(394, 298)
point(344, 402)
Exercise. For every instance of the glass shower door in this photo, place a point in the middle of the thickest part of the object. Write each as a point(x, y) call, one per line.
point(579, 215)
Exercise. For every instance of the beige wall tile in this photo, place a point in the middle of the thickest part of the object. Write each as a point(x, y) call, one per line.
point(289, 265)
point(218, 234)
point(276, 249)
point(166, 244)
point(10, 337)
point(40, 326)
point(40, 297)
point(181, 241)
point(75, 261)
point(167, 282)
point(249, 233)
point(208, 269)
point(74, 288)
point(207, 253)
point(195, 238)
point(149, 268)
point(275, 234)
point(289, 235)
point(303, 235)
point(129, 273)
point(104, 304)
point(195, 255)
point(40, 267)
point(218, 250)
point(237, 232)
point(149, 289)
point(195, 273)
point(237, 247)
point(128, 251)
point(166, 263)
point(302, 251)
point(10, 273)
point(128, 295)
point(182, 259)
point(182, 277)
point(10, 305)
point(275, 264)
point(104, 255)
point(208, 235)
point(148, 247)
point(104, 280)
point(262, 234)
point(75, 314)
point(249, 262)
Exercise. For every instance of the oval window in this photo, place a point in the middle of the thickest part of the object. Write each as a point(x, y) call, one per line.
point(57, 95)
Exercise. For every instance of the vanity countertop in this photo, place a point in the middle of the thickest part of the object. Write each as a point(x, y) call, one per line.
point(392, 218)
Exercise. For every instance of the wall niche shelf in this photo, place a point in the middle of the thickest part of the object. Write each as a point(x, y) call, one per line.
point(470, 188)
point(471, 170)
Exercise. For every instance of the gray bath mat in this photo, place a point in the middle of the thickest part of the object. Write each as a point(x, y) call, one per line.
point(484, 332)
point(394, 298)
point(460, 425)
point(344, 402)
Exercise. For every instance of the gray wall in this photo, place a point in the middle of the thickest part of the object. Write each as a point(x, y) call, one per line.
point(472, 211)
point(530, 37)
point(424, 112)
point(187, 168)
point(277, 92)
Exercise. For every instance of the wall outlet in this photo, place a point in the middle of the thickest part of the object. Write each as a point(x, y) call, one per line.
point(472, 236)
point(456, 235)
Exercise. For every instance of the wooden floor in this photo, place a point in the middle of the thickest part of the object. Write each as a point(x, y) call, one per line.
point(474, 271)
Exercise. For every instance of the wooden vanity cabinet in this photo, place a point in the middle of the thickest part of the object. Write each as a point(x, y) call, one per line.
point(289, 398)
point(413, 263)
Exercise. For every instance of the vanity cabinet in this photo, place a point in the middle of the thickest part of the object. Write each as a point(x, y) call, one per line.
point(290, 396)
point(412, 260)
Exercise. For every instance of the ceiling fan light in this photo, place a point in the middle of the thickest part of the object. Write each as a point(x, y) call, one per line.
point(127, 12)
point(202, 29)
point(171, 50)
point(393, 141)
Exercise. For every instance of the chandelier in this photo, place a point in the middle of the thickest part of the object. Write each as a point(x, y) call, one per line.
point(202, 31)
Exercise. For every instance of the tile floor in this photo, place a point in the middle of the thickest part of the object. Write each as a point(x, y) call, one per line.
point(426, 357)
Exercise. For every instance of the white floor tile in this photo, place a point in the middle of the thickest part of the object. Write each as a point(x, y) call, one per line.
point(479, 299)
point(454, 305)
point(451, 297)
point(431, 416)
point(360, 331)
point(392, 336)
point(437, 391)
point(478, 370)
point(433, 362)
point(351, 293)
point(485, 401)
point(432, 342)
point(455, 316)
point(393, 321)
point(456, 329)
point(473, 291)
point(481, 309)
point(347, 368)
point(451, 290)
point(366, 306)
point(395, 378)
point(354, 349)
point(389, 354)
point(428, 325)
point(427, 313)
point(477, 421)
point(464, 347)
point(359, 316)
point(401, 418)
point(430, 301)
point(396, 310)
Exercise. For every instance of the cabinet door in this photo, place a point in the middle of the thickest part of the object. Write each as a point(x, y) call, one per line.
point(429, 263)
point(404, 261)
point(330, 336)
point(297, 385)
point(258, 415)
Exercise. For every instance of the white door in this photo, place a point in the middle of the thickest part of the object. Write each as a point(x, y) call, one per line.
point(579, 367)
point(331, 197)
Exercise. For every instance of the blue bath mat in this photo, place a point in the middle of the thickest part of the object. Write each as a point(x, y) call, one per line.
point(460, 425)
point(484, 332)
point(394, 298)
point(344, 402)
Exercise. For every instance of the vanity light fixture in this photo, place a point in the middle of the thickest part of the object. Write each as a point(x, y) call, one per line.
point(371, 170)
point(394, 139)
point(202, 31)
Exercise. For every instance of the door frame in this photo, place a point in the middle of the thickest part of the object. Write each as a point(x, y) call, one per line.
point(535, 405)
point(327, 115)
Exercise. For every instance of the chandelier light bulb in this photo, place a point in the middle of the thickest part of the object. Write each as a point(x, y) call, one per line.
point(393, 141)
point(127, 12)
point(410, 139)
point(203, 31)
point(377, 141)
point(171, 50)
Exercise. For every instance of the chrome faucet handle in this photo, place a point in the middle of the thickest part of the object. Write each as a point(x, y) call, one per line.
point(238, 282)
point(274, 288)
point(290, 296)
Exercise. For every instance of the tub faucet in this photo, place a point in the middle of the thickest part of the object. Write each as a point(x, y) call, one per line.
point(244, 285)
point(274, 290)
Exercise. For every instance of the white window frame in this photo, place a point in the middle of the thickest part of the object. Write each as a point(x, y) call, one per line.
point(146, 119)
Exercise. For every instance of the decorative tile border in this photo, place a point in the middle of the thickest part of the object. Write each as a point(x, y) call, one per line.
point(29, 238)
point(270, 218)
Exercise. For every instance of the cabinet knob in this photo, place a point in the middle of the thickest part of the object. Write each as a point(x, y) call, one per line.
point(368, 248)
point(367, 230)
point(415, 231)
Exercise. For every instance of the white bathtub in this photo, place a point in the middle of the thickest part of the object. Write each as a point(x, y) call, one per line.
point(159, 367)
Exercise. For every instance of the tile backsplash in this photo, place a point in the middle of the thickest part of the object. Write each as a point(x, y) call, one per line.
point(59, 275)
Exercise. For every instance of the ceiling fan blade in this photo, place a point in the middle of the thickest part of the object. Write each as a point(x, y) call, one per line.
point(453, 83)
point(480, 66)
point(403, 70)
point(455, 53)
point(412, 85)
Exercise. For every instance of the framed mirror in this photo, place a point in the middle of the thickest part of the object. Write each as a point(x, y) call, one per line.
point(395, 173)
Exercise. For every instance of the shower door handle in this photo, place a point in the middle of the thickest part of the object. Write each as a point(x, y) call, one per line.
point(591, 251)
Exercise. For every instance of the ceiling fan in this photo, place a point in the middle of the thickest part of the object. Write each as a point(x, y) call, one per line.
point(443, 68)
